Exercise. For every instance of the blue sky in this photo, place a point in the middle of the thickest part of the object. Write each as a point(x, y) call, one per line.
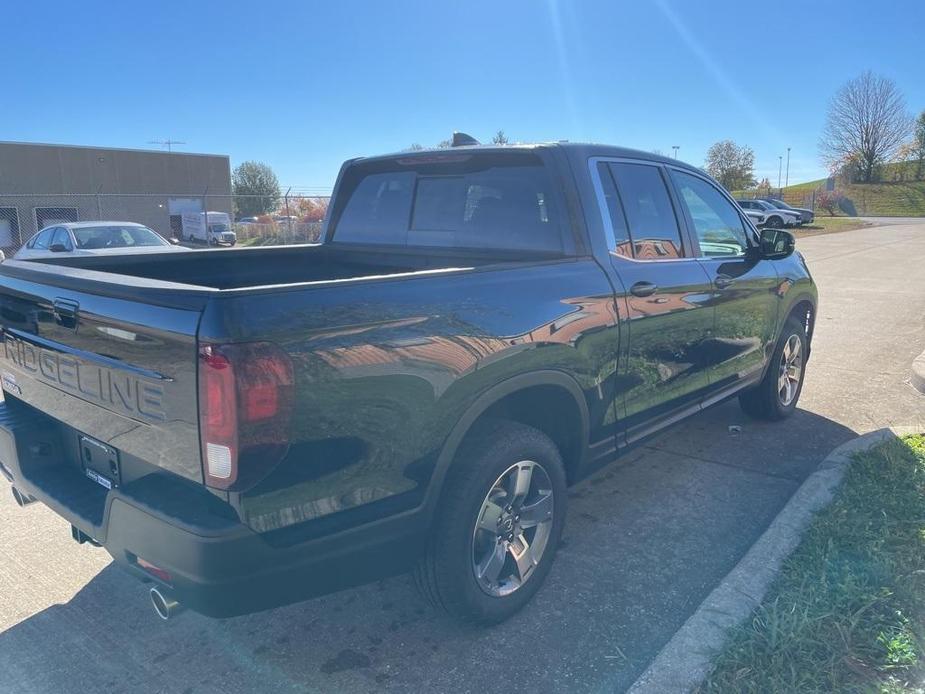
point(302, 86)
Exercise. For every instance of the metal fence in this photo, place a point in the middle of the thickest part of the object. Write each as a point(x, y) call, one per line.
point(257, 220)
point(797, 198)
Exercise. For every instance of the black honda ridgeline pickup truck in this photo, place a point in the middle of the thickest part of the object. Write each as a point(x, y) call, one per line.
point(479, 328)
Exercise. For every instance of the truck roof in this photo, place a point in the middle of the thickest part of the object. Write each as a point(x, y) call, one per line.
point(576, 149)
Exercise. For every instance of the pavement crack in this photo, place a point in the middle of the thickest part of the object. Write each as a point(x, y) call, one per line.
point(700, 459)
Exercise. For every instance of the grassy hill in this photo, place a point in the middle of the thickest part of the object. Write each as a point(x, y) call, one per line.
point(891, 198)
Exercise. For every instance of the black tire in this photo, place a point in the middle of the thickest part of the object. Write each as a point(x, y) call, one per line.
point(775, 222)
point(446, 575)
point(765, 400)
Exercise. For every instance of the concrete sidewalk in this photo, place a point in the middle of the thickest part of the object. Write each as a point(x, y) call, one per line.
point(648, 538)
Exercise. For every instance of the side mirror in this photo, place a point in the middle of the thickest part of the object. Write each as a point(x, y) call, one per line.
point(57, 248)
point(174, 240)
point(776, 244)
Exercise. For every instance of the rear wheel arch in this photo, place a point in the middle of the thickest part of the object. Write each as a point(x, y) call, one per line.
point(562, 415)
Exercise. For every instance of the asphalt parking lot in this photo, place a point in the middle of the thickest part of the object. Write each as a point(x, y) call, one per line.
point(647, 539)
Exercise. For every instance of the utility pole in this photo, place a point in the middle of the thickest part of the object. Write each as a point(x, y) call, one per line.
point(780, 166)
point(787, 176)
point(167, 143)
point(675, 148)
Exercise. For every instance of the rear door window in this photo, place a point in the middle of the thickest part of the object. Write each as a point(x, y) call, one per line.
point(650, 216)
point(621, 235)
point(485, 201)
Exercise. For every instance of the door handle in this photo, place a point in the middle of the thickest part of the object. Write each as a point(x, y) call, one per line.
point(65, 312)
point(723, 281)
point(643, 289)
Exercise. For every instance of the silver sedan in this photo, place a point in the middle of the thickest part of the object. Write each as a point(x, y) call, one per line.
point(94, 238)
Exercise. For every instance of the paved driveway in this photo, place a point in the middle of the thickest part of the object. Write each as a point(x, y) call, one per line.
point(647, 539)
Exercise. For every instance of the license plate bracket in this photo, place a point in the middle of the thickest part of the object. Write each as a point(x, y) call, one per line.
point(100, 462)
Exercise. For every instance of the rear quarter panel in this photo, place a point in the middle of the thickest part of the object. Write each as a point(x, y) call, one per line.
point(385, 369)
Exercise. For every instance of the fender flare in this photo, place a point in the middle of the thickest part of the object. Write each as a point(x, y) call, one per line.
point(488, 398)
point(792, 301)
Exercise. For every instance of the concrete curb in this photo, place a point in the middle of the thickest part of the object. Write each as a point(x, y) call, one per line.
point(918, 373)
point(685, 660)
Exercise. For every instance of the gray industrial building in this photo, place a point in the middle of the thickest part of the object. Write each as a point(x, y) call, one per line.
point(42, 184)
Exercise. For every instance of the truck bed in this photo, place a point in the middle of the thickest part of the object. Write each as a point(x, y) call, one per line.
point(108, 345)
point(253, 267)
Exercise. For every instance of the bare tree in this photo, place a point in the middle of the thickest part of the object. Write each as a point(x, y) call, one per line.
point(732, 165)
point(866, 124)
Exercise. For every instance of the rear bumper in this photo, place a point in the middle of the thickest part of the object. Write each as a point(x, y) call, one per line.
point(217, 565)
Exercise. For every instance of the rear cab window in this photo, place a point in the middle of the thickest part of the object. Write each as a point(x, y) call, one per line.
point(458, 200)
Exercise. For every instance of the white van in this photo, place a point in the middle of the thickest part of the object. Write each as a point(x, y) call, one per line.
point(214, 231)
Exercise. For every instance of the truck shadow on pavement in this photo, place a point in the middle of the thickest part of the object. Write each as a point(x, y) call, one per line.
point(647, 538)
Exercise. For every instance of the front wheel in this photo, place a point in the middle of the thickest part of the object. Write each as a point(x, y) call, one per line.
point(777, 395)
point(498, 524)
point(775, 222)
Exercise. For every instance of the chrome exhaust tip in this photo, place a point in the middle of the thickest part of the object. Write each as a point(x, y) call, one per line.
point(22, 499)
point(164, 603)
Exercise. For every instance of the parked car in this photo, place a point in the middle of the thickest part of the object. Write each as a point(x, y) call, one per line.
point(776, 218)
point(286, 219)
point(808, 216)
point(480, 328)
point(759, 219)
point(94, 238)
point(248, 220)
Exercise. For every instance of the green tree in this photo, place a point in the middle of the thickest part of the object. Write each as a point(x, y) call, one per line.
point(918, 146)
point(732, 165)
point(256, 189)
point(500, 139)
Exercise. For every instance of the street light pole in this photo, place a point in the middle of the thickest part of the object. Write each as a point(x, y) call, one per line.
point(780, 164)
point(787, 176)
point(675, 148)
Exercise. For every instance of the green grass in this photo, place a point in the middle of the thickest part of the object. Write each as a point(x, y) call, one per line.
point(891, 198)
point(886, 199)
point(847, 612)
point(828, 225)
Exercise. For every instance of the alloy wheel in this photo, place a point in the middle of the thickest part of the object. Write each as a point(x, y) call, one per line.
point(512, 528)
point(791, 370)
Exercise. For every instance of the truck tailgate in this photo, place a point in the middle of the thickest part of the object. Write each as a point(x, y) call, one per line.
point(121, 371)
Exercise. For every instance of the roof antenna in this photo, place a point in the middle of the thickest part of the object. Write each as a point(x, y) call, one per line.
point(463, 140)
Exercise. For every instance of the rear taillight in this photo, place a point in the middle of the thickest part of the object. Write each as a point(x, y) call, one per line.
point(157, 571)
point(245, 407)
